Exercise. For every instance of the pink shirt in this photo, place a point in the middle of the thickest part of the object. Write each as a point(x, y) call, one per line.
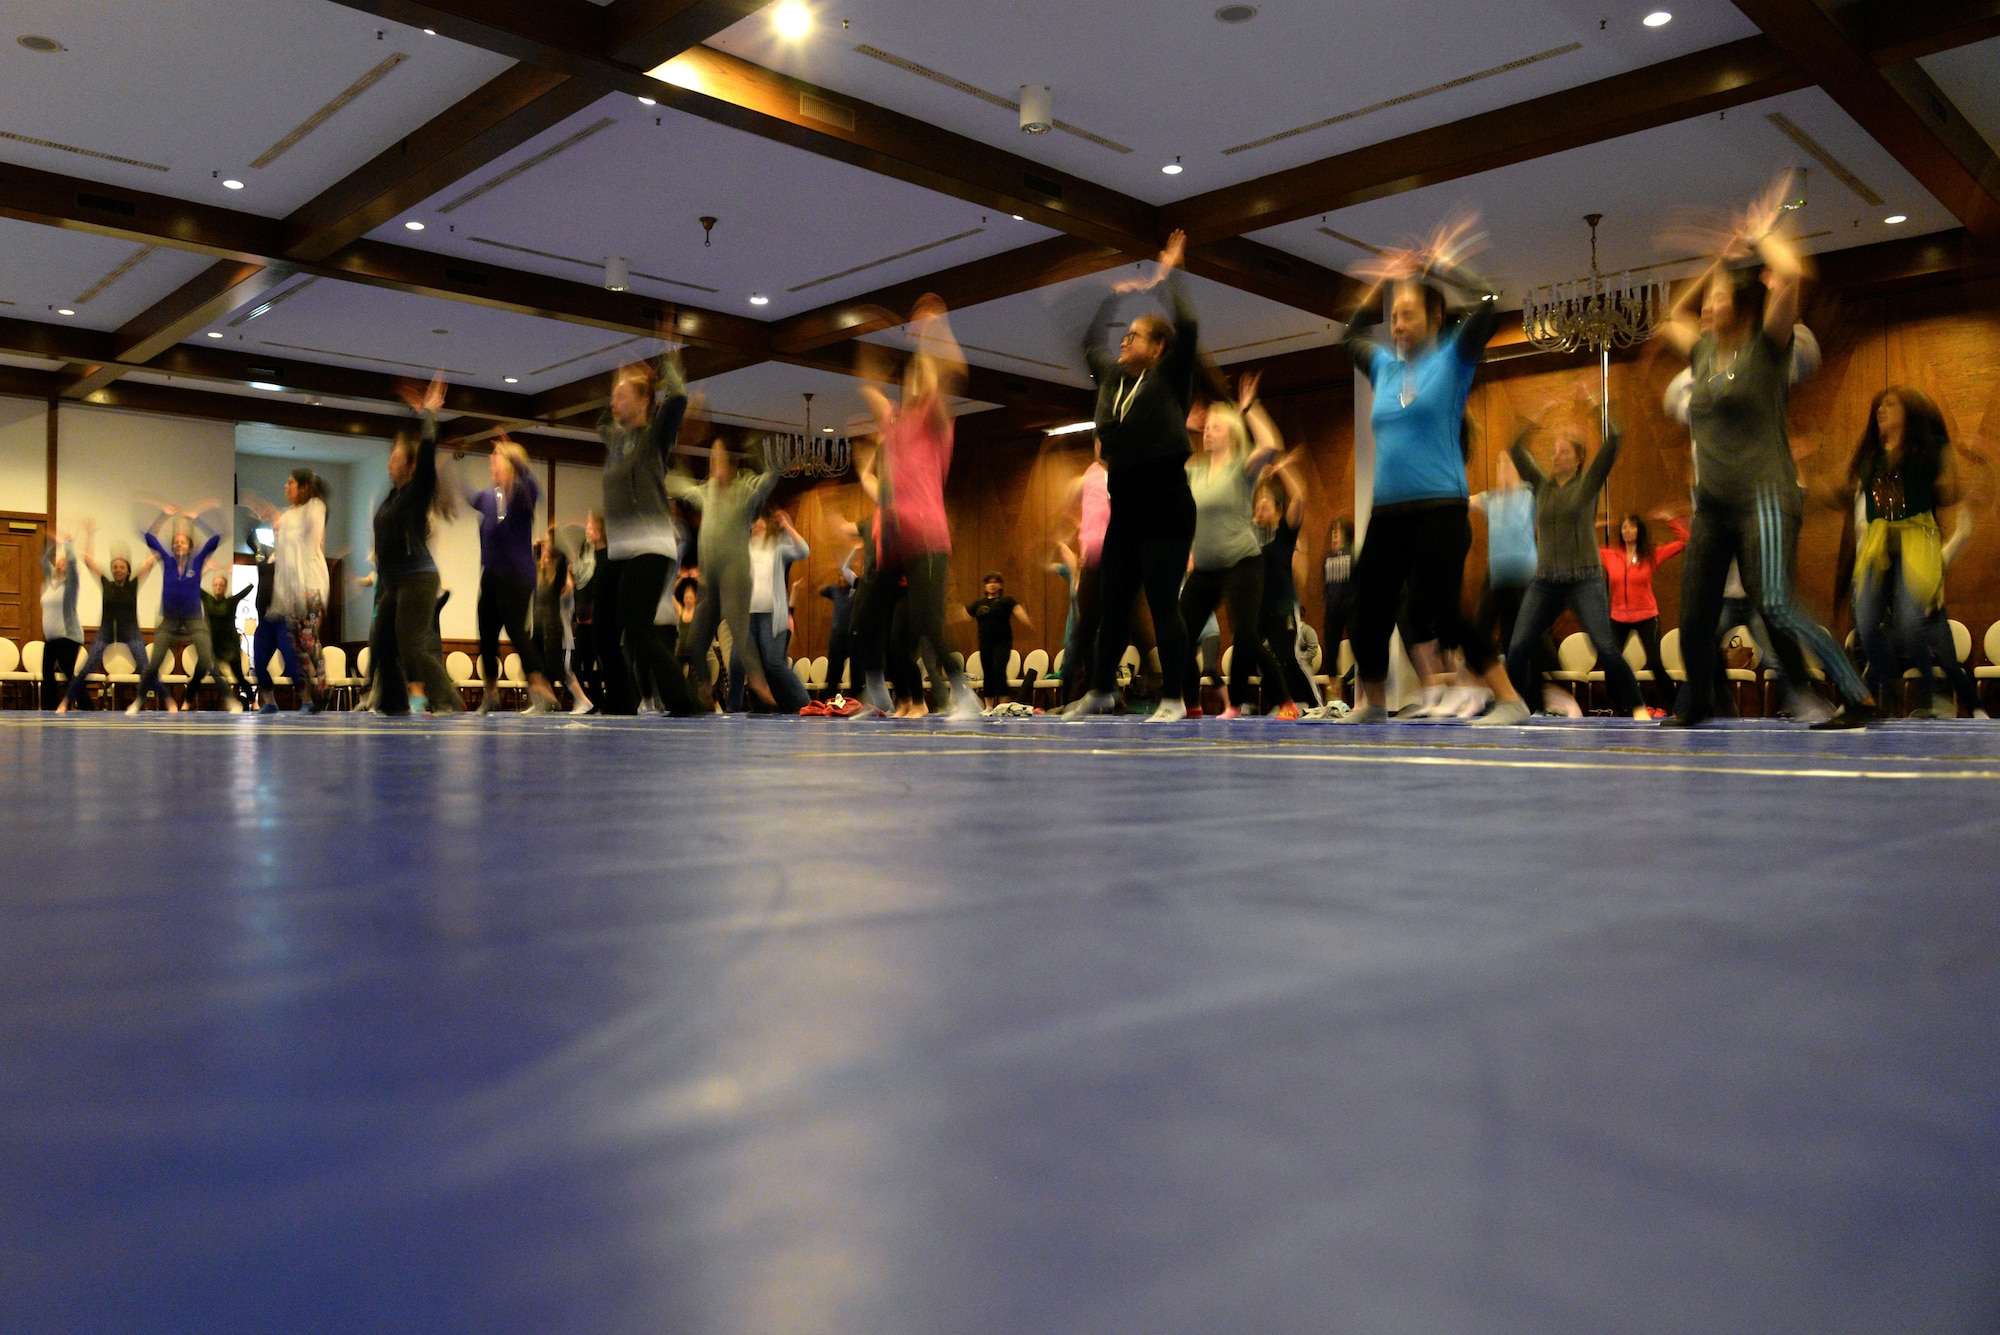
point(916, 456)
point(1096, 513)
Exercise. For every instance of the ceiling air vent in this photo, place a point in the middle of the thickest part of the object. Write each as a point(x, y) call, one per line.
point(471, 277)
point(124, 208)
point(1042, 184)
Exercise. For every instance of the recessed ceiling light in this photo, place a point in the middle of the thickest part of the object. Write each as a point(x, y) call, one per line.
point(65, 311)
point(1236, 13)
point(215, 333)
point(232, 184)
point(648, 102)
point(267, 387)
point(1019, 218)
point(826, 430)
point(1173, 168)
point(792, 20)
point(511, 379)
point(413, 226)
point(48, 46)
point(759, 299)
point(1659, 18)
point(430, 32)
point(1895, 218)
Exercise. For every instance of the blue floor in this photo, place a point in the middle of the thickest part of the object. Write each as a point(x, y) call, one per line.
point(775, 1026)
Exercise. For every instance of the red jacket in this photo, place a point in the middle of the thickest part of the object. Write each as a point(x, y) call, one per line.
point(1632, 581)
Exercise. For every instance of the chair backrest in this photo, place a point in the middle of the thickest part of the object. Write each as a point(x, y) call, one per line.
point(459, 664)
point(31, 657)
point(1739, 637)
point(1961, 641)
point(1228, 660)
point(1036, 662)
point(513, 670)
point(1577, 653)
point(1635, 652)
point(10, 657)
point(335, 659)
point(190, 660)
point(819, 666)
point(1128, 662)
point(362, 660)
point(1992, 645)
point(275, 665)
point(1670, 651)
point(118, 661)
point(1013, 665)
point(975, 667)
point(1056, 666)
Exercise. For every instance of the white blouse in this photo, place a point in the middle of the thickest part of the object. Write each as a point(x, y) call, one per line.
point(300, 559)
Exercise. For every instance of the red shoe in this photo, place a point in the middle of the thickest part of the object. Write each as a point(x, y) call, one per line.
point(1195, 712)
point(1287, 712)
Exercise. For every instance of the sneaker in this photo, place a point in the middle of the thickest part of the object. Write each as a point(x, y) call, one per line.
point(309, 707)
point(486, 706)
point(964, 706)
point(1287, 712)
point(270, 707)
point(1170, 711)
point(1849, 718)
point(1365, 714)
point(1504, 714)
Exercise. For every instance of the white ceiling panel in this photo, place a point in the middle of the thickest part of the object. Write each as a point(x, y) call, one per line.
point(1040, 333)
point(1970, 77)
point(1167, 79)
point(1643, 184)
point(802, 230)
point(106, 282)
point(169, 95)
point(278, 442)
point(769, 397)
point(347, 324)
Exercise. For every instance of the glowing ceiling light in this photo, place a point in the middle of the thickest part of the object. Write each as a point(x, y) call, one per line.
point(792, 20)
point(215, 333)
point(232, 184)
point(64, 310)
point(759, 299)
point(511, 379)
point(1895, 218)
point(1174, 168)
point(413, 225)
point(1070, 429)
point(1659, 18)
point(267, 387)
point(648, 102)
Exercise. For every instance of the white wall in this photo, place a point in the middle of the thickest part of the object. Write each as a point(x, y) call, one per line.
point(24, 470)
point(578, 488)
point(108, 463)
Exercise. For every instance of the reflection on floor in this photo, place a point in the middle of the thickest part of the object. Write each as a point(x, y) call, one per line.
point(759, 1025)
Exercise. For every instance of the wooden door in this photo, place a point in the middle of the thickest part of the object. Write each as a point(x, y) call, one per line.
point(21, 580)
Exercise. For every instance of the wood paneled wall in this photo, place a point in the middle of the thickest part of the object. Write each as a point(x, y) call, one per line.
point(1008, 496)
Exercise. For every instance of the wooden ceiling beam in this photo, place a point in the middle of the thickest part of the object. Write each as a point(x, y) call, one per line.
point(1893, 31)
point(223, 287)
point(1908, 116)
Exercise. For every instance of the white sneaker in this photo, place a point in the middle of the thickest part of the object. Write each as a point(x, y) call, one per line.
point(1169, 711)
point(539, 707)
point(1504, 714)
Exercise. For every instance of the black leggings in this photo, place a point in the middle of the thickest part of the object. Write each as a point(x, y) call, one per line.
point(1648, 632)
point(1423, 545)
point(1499, 609)
point(1280, 631)
point(503, 605)
point(1242, 585)
point(925, 608)
point(1149, 553)
point(642, 580)
point(58, 656)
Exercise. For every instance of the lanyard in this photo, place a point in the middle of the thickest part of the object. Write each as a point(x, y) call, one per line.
point(1123, 400)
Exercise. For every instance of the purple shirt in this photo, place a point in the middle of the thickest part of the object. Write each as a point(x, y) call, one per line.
point(507, 531)
point(180, 587)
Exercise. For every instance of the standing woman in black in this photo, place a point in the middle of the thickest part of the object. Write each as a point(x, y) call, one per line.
point(404, 644)
point(1144, 394)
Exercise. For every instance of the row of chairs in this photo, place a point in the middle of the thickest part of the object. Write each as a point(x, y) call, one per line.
point(21, 670)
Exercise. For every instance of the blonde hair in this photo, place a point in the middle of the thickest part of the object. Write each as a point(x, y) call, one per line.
point(516, 457)
point(1231, 417)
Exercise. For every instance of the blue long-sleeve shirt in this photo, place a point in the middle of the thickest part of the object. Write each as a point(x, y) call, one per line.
point(180, 585)
point(507, 528)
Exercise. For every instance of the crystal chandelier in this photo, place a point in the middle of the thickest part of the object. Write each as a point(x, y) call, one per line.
point(803, 454)
point(1594, 313)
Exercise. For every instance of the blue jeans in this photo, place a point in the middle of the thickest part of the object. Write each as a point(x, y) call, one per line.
point(1591, 601)
point(786, 688)
point(1879, 595)
point(274, 634)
